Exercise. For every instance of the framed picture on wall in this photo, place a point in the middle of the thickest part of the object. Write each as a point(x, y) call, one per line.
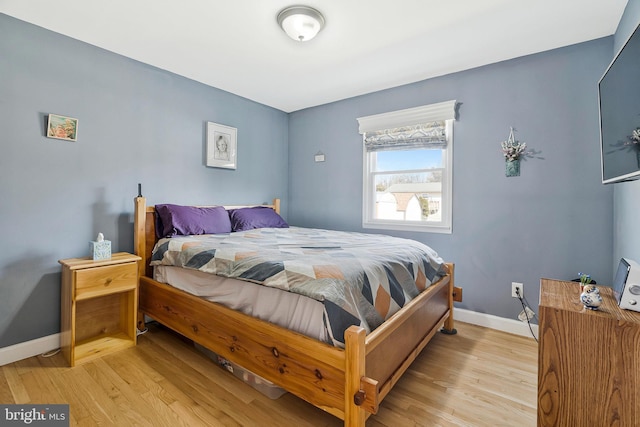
point(222, 146)
point(61, 127)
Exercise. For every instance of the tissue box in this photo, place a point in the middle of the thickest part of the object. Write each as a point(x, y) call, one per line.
point(100, 250)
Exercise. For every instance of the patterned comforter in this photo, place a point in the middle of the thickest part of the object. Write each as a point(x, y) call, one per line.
point(362, 279)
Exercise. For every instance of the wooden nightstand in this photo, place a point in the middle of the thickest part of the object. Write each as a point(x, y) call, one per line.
point(99, 306)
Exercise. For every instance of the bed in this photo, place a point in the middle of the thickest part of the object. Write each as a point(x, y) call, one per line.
point(347, 378)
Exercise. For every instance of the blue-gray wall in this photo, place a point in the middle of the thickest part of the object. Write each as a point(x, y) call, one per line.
point(555, 220)
point(626, 238)
point(136, 124)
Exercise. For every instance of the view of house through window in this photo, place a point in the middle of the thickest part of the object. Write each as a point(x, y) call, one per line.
point(408, 185)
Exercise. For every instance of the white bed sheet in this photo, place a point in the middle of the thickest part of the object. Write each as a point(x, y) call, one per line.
point(289, 310)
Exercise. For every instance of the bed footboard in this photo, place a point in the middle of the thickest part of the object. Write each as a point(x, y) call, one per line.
point(347, 383)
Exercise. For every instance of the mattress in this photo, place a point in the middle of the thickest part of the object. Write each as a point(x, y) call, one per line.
point(360, 279)
point(289, 310)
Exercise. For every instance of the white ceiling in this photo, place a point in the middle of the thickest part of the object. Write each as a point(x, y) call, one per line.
point(366, 45)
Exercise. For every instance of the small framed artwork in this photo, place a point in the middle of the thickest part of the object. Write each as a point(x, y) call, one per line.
point(61, 127)
point(222, 146)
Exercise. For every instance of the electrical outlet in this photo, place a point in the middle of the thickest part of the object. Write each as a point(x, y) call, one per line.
point(519, 287)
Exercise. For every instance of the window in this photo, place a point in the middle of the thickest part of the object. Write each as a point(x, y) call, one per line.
point(408, 169)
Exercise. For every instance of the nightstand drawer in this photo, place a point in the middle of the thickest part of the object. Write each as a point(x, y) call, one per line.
point(92, 282)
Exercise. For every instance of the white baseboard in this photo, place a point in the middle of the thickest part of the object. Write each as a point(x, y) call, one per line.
point(24, 350)
point(494, 322)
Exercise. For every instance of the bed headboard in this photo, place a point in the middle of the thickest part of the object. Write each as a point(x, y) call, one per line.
point(144, 230)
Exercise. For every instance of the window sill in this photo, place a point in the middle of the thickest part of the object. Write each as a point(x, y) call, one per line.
point(407, 226)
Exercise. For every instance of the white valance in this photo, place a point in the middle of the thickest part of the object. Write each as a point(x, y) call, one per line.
point(408, 117)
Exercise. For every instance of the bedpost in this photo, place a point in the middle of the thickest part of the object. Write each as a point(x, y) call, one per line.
point(448, 324)
point(139, 244)
point(276, 205)
point(138, 232)
point(354, 340)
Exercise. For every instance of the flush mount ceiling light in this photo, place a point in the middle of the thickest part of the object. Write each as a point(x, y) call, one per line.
point(301, 23)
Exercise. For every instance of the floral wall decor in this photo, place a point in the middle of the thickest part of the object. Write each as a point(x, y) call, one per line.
point(635, 137)
point(513, 150)
point(634, 143)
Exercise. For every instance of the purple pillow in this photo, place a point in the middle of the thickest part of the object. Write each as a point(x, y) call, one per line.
point(189, 220)
point(256, 217)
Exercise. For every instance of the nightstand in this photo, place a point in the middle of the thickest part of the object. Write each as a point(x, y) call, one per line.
point(99, 303)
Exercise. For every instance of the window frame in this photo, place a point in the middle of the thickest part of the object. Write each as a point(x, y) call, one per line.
point(434, 112)
point(369, 194)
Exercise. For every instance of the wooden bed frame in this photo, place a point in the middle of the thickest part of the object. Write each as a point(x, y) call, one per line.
point(348, 383)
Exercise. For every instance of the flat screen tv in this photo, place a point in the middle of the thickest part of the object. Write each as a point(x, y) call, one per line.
point(619, 96)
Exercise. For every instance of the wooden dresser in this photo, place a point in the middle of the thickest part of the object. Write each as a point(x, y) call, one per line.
point(588, 361)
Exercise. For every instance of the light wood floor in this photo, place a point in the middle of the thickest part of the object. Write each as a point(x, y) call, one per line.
point(489, 380)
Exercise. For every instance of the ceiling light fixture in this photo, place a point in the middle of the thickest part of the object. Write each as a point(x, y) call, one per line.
point(301, 23)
